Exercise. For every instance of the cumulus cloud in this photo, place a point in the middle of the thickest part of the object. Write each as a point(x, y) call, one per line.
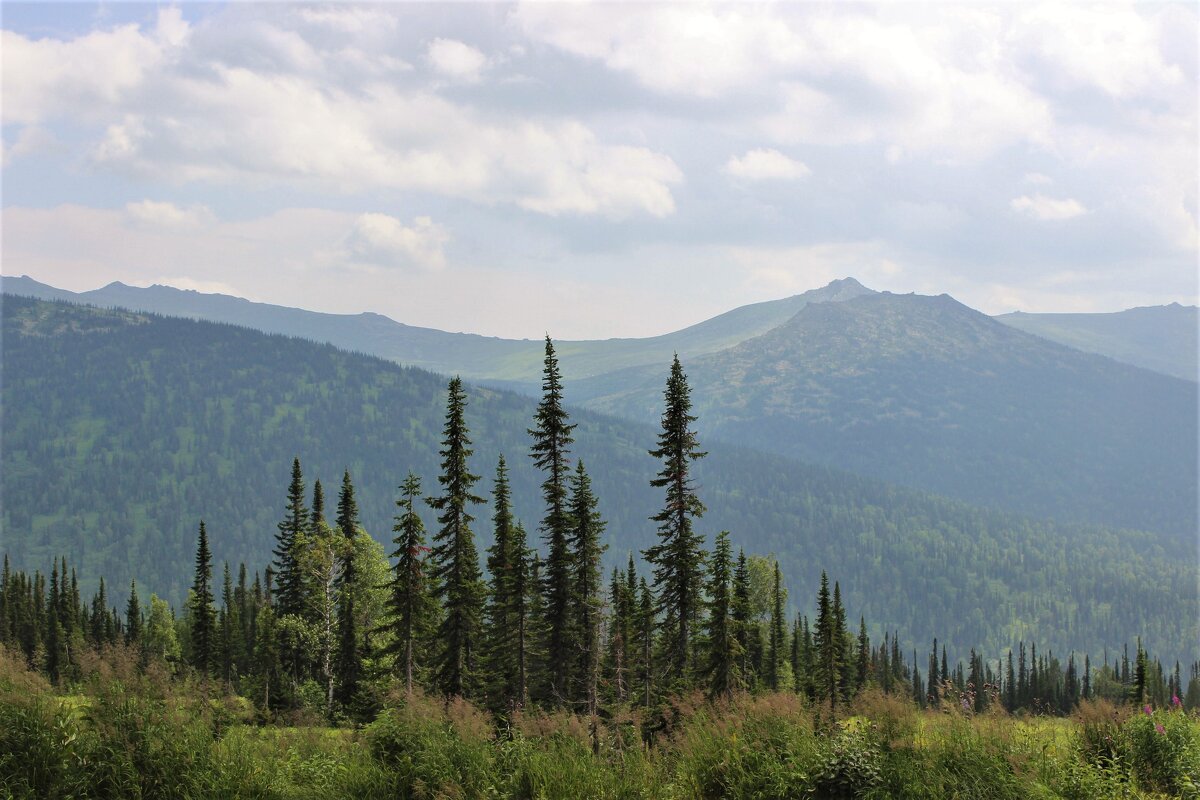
point(1045, 208)
point(383, 240)
point(456, 60)
point(766, 164)
point(171, 111)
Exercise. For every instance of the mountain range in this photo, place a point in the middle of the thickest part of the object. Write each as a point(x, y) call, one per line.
point(917, 390)
point(122, 430)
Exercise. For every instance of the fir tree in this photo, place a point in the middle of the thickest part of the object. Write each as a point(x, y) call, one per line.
point(742, 615)
point(133, 617)
point(677, 558)
point(317, 514)
point(290, 594)
point(776, 641)
point(828, 644)
point(349, 665)
point(410, 603)
point(203, 625)
point(459, 584)
point(721, 669)
point(500, 656)
point(584, 542)
point(646, 625)
point(551, 439)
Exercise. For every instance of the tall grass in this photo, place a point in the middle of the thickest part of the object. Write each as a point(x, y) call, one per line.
point(124, 733)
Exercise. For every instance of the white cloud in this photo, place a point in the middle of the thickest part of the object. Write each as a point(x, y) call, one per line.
point(1047, 208)
point(162, 215)
point(456, 60)
point(1038, 178)
point(383, 240)
point(766, 164)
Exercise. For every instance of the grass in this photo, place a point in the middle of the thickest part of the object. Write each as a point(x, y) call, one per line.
point(122, 733)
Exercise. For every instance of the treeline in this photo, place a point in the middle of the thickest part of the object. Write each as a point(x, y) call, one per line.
point(331, 623)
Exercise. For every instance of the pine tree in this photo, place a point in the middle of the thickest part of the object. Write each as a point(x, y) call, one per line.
point(587, 527)
point(203, 625)
point(410, 602)
point(551, 439)
point(459, 584)
point(349, 664)
point(776, 641)
point(724, 654)
point(290, 594)
point(677, 558)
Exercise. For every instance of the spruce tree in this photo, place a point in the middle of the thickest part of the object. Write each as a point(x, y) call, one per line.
point(678, 557)
point(645, 631)
point(459, 584)
point(410, 602)
point(203, 624)
point(289, 581)
point(587, 527)
point(828, 644)
point(349, 664)
point(551, 439)
point(741, 613)
point(777, 636)
point(500, 654)
point(317, 514)
point(133, 616)
point(524, 590)
point(721, 668)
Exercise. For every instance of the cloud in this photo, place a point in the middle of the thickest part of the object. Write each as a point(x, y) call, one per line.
point(766, 164)
point(161, 215)
point(382, 240)
point(456, 60)
point(1045, 208)
point(178, 104)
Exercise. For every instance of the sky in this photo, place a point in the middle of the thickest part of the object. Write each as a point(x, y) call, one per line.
point(600, 170)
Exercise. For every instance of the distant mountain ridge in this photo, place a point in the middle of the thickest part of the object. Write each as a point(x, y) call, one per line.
point(1160, 338)
point(929, 393)
point(513, 363)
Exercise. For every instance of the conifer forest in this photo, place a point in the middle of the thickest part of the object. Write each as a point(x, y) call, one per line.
point(428, 668)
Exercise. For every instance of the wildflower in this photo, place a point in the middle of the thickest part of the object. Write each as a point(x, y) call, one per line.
point(1149, 711)
point(1175, 701)
point(1158, 726)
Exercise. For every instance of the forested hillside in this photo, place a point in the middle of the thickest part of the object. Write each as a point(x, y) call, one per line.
point(927, 392)
point(122, 430)
point(1161, 338)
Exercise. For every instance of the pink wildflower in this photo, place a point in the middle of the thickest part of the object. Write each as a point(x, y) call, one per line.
point(1148, 709)
point(1158, 726)
point(1175, 701)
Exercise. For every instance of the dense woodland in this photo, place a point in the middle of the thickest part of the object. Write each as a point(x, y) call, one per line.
point(331, 624)
point(123, 430)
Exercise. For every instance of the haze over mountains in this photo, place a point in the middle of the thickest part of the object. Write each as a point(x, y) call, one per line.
point(916, 390)
point(121, 430)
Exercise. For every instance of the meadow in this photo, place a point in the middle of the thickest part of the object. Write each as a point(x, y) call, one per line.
point(131, 731)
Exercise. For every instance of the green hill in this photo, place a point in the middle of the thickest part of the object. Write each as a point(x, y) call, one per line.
point(926, 392)
point(121, 430)
point(1161, 338)
point(510, 363)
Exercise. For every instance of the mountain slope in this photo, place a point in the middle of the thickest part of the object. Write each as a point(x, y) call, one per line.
point(929, 393)
point(1160, 338)
point(122, 430)
point(512, 363)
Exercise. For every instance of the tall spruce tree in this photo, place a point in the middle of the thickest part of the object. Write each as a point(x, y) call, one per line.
point(410, 602)
point(587, 527)
point(776, 640)
point(740, 610)
point(459, 584)
point(349, 663)
point(677, 558)
point(501, 661)
point(289, 581)
point(317, 513)
point(551, 441)
point(203, 622)
point(829, 647)
point(721, 668)
point(133, 616)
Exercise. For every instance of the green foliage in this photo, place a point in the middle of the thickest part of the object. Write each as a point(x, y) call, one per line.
point(155, 423)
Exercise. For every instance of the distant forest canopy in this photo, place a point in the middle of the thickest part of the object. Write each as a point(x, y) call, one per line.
point(915, 390)
point(122, 430)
